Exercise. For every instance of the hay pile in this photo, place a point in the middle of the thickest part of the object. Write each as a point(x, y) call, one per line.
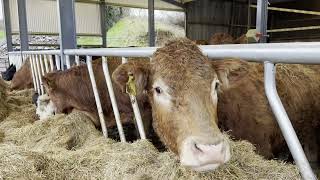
point(3, 103)
point(69, 147)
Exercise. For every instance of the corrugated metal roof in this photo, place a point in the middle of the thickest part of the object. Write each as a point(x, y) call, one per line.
point(42, 17)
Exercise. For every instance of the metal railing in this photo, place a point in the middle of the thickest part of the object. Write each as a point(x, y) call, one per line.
point(269, 54)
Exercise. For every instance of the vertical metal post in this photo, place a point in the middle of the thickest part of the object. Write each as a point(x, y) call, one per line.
point(113, 98)
point(136, 110)
point(151, 28)
point(67, 26)
point(33, 73)
point(58, 63)
point(36, 73)
point(103, 23)
point(41, 64)
point(39, 75)
point(68, 61)
point(96, 96)
point(124, 60)
point(51, 62)
point(275, 103)
point(46, 63)
point(284, 122)
point(77, 60)
point(7, 23)
point(249, 16)
point(186, 22)
point(262, 19)
point(23, 25)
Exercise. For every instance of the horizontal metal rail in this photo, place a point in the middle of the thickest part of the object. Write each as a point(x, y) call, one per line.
point(317, 13)
point(304, 53)
point(43, 52)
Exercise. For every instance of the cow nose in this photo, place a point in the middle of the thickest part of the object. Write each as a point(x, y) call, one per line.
point(204, 156)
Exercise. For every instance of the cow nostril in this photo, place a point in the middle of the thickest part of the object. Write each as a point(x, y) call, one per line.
point(197, 147)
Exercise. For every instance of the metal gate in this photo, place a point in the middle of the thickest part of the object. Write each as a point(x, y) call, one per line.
point(269, 54)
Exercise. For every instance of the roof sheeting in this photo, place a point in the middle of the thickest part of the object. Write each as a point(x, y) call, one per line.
point(42, 17)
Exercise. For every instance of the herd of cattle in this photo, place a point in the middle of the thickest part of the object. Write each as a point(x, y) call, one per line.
point(189, 100)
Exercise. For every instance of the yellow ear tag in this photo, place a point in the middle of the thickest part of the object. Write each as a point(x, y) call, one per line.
point(131, 86)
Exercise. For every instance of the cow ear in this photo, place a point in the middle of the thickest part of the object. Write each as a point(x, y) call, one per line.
point(140, 72)
point(230, 71)
point(48, 82)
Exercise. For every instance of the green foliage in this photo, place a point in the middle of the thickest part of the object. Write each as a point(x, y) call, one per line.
point(113, 15)
point(2, 35)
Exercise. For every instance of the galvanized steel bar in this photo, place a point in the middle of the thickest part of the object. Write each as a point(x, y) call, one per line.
point(23, 25)
point(293, 29)
point(274, 100)
point(96, 96)
point(262, 19)
point(41, 65)
point(7, 23)
point(45, 58)
point(137, 116)
point(77, 60)
point(51, 63)
point(68, 61)
point(136, 110)
point(298, 53)
point(36, 73)
point(39, 75)
point(103, 25)
point(58, 63)
point(67, 26)
point(124, 60)
point(316, 13)
point(113, 98)
point(33, 74)
point(49, 52)
point(284, 122)
point(151, 27)
point(303, 53)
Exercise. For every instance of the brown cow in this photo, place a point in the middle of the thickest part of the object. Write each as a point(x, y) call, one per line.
point(245, 111)
point(221, 38)
point(72, 89)
point(241, 40)
point(22, 79)
point(201, 42)
point(183, 88)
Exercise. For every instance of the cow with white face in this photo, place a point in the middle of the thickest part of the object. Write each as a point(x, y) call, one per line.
point(182, 85)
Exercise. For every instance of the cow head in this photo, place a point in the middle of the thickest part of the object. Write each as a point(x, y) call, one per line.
point(183, 85)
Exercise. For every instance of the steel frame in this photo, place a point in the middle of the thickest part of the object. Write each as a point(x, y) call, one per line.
point(303, 53)
point(269, 54)
point(278, 110)
point(23, 25)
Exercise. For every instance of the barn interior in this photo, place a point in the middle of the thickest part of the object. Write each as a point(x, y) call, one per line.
point(68, 146)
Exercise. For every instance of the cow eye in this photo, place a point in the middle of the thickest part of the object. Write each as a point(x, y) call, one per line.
point(217, 85)
point(158, 90)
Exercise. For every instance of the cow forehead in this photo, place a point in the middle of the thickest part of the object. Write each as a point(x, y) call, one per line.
point(183, 82)
point(175, 71)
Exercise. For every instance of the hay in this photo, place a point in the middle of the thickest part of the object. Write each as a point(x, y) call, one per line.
point(70, 147)
point(3, 97)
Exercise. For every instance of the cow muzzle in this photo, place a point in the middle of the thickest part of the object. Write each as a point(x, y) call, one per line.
point(204, 156)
